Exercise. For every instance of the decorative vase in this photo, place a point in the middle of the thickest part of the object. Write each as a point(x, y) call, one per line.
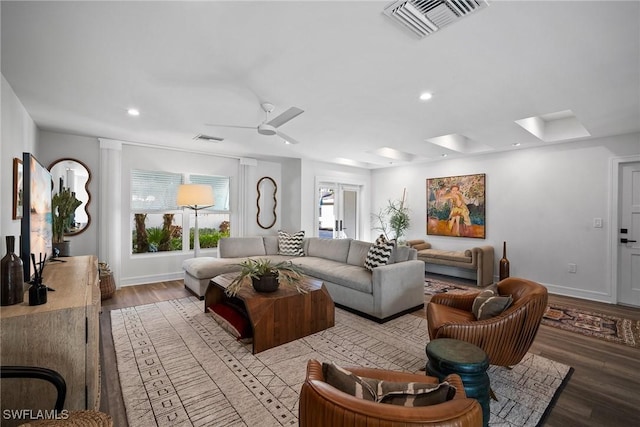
point(504, 263)
point(37, 293)
point(265, 283)
point(12, 290)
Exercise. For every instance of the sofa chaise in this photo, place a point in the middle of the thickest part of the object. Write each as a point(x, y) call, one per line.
point(385, 292)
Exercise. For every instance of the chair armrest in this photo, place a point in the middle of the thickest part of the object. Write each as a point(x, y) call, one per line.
point(460, 301)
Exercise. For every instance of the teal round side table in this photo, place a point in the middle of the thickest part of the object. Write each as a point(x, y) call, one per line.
point(450, 356)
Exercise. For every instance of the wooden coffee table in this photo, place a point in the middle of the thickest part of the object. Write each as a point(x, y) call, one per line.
point(281, 316)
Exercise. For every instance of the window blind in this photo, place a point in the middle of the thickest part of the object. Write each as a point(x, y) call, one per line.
point(220, 185)
point(154, 190)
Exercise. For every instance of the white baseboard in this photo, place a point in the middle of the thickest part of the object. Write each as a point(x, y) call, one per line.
point(580, 293)
point(142, 280)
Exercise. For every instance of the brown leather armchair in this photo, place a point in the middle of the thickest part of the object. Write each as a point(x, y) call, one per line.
point(322, 405)
point(505, 338)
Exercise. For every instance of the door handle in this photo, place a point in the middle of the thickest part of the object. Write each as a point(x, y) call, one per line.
point(627, 241)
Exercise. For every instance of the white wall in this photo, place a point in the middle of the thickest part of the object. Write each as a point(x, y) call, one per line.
point(53, 146)
point(19, 134)
point(541, 201)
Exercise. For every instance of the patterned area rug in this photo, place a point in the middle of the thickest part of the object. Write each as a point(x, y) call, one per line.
point(598, 325)
point(177, 367)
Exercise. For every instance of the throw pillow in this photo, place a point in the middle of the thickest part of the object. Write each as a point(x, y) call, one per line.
point(379, 253)
point(290, 244)
point(232, 321)
point(349, 383)
point(414, 394)
point(487, 305)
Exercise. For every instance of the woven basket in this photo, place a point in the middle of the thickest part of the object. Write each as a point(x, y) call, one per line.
point(107, 285)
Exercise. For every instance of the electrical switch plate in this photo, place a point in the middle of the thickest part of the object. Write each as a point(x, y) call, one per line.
point(573, 268)
point(597, 222)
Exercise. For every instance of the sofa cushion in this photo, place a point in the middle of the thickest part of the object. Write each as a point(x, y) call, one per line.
point(421, 246)
point(358, 251)
point(271, 245)
point(333, 249)
point(487, 304)
point(236, 247)
point(208, 267)
point(290, 244)
point(400, 254)
point(379, 253)
point(445, 255)
point(349, 276)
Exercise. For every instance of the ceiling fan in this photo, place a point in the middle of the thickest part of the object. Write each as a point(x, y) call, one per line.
point(271, 127)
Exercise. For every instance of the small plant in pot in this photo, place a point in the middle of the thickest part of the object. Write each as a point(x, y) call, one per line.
point(266, 276)
point(63, 206)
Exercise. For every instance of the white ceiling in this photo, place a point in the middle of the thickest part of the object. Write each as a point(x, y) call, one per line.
point(78, 66)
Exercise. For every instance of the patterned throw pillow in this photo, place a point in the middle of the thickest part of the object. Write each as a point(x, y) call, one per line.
point(414, 394)
point(347, 382)
point(290, 244)
point(395, 393)
point(487, 305)
point(379, 253)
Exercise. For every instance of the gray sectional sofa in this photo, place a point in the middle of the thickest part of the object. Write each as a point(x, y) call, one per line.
point(386, 292)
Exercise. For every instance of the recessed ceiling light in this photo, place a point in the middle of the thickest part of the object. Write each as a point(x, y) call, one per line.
point(444, 155)
point(425, 96)
point(133, 112)
point(516, 144)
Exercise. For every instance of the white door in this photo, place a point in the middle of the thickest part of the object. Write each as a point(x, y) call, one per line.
point(338, 210)
point(629, 236)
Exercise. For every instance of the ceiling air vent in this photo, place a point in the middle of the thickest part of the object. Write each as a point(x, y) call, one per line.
point(423, 17)
point(209, 138)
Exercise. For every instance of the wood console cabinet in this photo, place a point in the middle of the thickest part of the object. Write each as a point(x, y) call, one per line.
point(62, 334)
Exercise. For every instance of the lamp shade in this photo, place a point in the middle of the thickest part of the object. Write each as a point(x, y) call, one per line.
point(195, 195)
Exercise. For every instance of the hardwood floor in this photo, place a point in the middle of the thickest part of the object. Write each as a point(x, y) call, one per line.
point(604, 389)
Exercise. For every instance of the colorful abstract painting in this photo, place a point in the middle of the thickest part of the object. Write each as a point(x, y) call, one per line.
point(456, 206)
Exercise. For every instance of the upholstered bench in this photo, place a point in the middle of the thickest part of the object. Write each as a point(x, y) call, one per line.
point(480, 259)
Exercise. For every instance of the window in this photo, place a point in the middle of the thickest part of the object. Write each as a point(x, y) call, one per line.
point(157, 222)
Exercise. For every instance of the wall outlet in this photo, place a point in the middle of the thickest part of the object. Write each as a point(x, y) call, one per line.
point(572, 268)
point(597, 222)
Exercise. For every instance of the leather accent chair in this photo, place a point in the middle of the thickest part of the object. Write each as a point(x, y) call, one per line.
point(505, 338)
point(322, 405)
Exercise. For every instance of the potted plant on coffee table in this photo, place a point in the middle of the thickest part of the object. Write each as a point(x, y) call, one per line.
point(63, 205)
point(266, 276)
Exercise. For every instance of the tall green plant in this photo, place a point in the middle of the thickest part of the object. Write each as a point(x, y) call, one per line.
point(394, 219)
point(63, 204)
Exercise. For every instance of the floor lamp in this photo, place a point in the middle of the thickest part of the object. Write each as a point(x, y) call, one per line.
point(196, 197)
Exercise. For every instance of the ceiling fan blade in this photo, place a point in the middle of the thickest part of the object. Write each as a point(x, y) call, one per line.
point(287, 138)
point(230, 126)
point(285, 117)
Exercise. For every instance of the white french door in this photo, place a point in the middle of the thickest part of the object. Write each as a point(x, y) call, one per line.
point(629, 235)
point(338, 210)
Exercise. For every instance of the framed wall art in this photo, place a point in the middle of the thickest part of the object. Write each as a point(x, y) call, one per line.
point(456, 206)
point(17, 188)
